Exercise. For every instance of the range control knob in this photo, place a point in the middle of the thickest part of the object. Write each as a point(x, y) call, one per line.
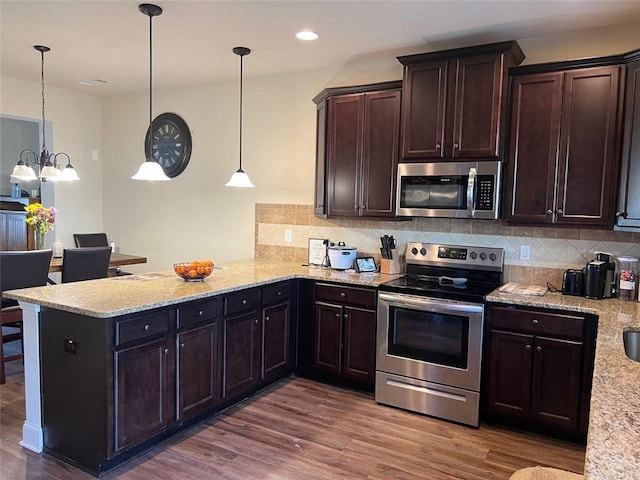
point(492, 257)
point(483, 256)
point(423, 251)
point(414, 251)
point(473, 255)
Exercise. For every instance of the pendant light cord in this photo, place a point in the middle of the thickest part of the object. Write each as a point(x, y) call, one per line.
point(44, 139)
point(150, 85)
point(241, 76)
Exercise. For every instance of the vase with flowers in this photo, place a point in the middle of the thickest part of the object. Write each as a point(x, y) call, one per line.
point(42, 220)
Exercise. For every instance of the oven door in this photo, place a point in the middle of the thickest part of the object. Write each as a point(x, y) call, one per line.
point(429, 339)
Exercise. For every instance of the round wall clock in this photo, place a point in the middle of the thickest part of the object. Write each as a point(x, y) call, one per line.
point(170, 143)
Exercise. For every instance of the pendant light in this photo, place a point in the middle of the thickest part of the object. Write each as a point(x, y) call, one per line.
point(239, 178)
point(150, 169)
point(47, 164)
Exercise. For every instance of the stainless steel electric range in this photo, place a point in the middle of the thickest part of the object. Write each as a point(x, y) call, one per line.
point(429, 333)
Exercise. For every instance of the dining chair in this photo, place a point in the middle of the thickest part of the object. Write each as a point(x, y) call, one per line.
point(96, 240)
point(86, 263)
point(18, 269)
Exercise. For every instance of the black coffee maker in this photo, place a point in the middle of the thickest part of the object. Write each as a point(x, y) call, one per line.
point(599, 277)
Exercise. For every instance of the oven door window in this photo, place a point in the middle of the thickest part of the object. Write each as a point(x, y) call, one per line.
point(434, 337)
point(439, 192)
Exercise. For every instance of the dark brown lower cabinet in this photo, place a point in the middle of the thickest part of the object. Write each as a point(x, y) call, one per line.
point(197, 369)
point(344, 332)
point(241, 357)
point(143, 392)
point(275, 339)
point(538, 368)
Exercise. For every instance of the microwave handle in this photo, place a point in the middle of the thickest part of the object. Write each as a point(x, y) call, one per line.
point(471, 186)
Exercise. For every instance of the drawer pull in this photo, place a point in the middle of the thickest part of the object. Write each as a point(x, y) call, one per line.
point(146, 327)
point(166, 350)
point(266, 319)
point(342, 294)
point(346, 316)
point(255, 321)
point(535, 321)
point(538, 349)
point(244, 302)
point(279, 292)
point(200, 313)
point(182, 345)
point(337, 315)
point(528, 347)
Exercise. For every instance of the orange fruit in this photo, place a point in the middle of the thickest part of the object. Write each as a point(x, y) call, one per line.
point(192, 273)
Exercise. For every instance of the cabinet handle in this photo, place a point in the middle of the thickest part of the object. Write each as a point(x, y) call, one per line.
point(244, 302)
point(549, 212)
point(342, 294)
point(535, 322)
point(200, 313)
point(528, 347)
point(438, 146)
point(255, 321)
point(538, 349)
point(621, 214)
point(559, 211)
point(337, 315)
point(266, 319)
point(146, 327)
point(279, 293)
point(166, 350)
point(346, 316)
point(182, 345)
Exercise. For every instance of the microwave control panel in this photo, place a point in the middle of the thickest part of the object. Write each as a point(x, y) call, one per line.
point(486, 184)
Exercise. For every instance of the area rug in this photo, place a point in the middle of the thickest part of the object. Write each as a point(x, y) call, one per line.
point(544, 473)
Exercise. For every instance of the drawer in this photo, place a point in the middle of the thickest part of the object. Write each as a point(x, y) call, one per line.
point(276, 293)
point(142, 327)
point(358, 297)
point(242, 301)
point(197, 312)
point(542, 323)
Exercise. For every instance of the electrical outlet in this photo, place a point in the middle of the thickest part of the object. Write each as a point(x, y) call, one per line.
point(288, 236)
point(525, 252)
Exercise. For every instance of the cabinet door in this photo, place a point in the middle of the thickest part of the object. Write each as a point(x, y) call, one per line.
point(241, 362)
point(359, 344)
point(275, 340)
point(380, 154)
point(328, 338)
point(344, 143)
point(478, 107)
point(509, 374)
point(536, 105)
point(423, 110)
point(320, 206)
point(143, 392)
point(588, 146)
point(629, 204)
point(14, 231)
point(557, 369)
point(197, 364)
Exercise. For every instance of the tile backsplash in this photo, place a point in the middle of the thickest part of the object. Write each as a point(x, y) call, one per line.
point(552, 249)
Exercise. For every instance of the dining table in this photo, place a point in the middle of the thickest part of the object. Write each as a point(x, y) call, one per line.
point(117, 259)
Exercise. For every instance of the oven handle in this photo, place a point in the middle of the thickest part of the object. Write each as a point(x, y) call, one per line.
point(425, 302)
point(471, 186)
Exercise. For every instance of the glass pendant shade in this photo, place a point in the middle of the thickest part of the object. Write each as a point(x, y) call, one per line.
point(50, 173)
point(23, 172)
point(151, 171)
point(69, 174)
point(239, 179)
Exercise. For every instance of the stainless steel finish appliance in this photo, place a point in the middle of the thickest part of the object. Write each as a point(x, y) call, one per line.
point(600, 277)
point(429, 331)
point(572, 282)
point(449, 189)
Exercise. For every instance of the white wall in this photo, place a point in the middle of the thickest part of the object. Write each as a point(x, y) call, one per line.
point(77, 130)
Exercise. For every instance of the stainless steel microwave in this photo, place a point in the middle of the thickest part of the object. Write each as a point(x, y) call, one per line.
point(449, 189)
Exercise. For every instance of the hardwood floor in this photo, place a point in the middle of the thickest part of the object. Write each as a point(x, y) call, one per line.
point(299, 429)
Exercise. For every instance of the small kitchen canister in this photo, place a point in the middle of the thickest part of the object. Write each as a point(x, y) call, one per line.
point(58, 248)
point(627, 273)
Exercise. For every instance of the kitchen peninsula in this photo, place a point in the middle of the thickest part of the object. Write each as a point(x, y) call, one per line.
point(613, 429)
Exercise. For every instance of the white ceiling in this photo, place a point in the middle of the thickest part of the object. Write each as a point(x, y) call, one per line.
point(108, 40)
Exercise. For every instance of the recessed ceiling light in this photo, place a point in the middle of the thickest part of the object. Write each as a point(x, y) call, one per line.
point(306, 35)
point(93, 82)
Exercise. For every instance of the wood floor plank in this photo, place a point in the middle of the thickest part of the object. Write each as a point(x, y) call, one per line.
point(303, 430)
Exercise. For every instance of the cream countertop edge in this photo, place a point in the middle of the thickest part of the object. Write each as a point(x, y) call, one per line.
point(613, 442)
point(116, 296)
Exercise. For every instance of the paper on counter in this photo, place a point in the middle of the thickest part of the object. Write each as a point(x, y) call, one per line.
point(523, 289)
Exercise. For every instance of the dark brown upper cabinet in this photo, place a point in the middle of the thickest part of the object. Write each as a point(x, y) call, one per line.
point(628, 215)
point(454, 102)
point(563, 145)
point(357, 150)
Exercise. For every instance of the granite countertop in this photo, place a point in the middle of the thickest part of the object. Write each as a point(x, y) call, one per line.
point(115, 296)
point(613, 440)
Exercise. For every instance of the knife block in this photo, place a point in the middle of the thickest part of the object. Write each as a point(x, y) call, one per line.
point(391, 266)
